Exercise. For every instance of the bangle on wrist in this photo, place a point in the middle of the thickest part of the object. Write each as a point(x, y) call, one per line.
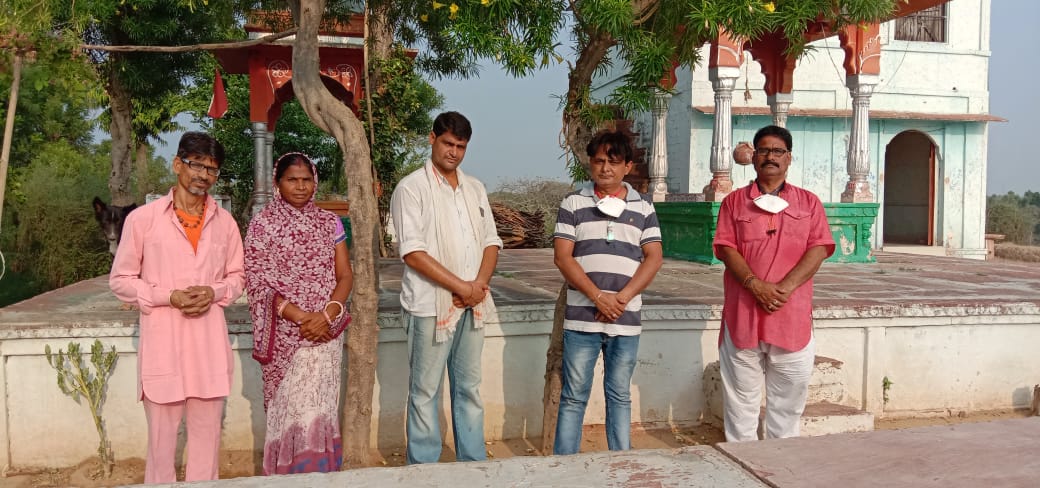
point(327, 318)
point(598, 295)
point(342, 310)
point(748, 279)
point(281, 308)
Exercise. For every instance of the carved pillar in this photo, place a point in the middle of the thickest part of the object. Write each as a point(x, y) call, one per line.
point(659, 162)
point(780, 105)
point(723, 79)
point(262, 189)
point(862, 47)
point(857, 190)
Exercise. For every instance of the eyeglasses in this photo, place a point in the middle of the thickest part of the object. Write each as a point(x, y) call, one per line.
point(775, 151)
point(197, 166)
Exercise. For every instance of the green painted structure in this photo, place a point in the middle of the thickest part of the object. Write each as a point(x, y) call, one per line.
point(688, 228)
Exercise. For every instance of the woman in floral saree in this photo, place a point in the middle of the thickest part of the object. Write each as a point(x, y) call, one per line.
point(298, 278)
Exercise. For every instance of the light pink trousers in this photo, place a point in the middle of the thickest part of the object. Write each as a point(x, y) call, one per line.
point(202, 419)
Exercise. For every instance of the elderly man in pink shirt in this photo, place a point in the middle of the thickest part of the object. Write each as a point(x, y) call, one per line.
point(180, 261)
point(772, 236)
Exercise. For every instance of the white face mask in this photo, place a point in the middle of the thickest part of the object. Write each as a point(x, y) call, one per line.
point(611, 206)
point(771, 203)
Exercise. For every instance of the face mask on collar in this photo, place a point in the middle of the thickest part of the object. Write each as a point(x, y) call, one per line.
point(611, 206)
point(771, 203)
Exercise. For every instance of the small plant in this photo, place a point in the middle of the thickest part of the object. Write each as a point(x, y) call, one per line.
point(886, 384)
point(76, 379)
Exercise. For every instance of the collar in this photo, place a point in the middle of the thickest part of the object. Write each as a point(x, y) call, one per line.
point(441, 180)
point(167, 203)
point(755, 190)
point(589, 190)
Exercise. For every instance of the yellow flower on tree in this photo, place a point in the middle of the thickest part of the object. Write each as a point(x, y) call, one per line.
point(454, 9)
point(769, 6)
point(424, 17)
point(437, 5)
point(485, 2)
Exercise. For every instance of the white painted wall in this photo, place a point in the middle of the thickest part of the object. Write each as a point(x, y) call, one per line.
point(955, 358)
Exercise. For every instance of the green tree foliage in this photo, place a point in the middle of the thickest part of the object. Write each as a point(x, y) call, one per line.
point(400, 122)
point(57, 238)
point(648, 36)
point(1017, 217)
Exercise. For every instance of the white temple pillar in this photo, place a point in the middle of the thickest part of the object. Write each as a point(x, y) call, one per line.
point(857, 190)
point(262, 171)
point(780, 105)
point(723, 79)
point(659, 161)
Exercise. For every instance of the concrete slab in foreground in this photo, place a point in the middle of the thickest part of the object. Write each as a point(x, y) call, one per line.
point(686, 467)
point(989, 454)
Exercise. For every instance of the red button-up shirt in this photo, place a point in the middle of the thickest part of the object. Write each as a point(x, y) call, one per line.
point(772, 245)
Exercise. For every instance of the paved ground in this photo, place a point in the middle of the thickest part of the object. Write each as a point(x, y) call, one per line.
point(697, 466)
point(897, 285)
point(991, 454)
point(1000, 454)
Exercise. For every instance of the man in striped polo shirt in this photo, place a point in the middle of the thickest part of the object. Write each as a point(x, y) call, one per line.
point(608, 248)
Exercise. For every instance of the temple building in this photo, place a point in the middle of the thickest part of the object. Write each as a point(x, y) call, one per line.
point(889, 120)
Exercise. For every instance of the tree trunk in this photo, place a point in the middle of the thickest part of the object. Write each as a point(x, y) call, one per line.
point(141, 168)
point(553, 381)
point(577, 132)
point(577, 135)
point(339, 121)
point(122, 135)
point(379, 46)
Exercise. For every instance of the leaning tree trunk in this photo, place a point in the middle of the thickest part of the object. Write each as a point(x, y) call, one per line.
point(577, 135)
point(122, 137)
point(378, 46)
point(339, 121)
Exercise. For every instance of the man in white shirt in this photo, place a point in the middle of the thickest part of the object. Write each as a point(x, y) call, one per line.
point(449, 246)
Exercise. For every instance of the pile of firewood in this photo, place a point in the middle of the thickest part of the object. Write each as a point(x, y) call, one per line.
point(518, 229)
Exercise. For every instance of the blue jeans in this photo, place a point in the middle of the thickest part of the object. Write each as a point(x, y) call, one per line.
point(426, 360)
point(580, 351)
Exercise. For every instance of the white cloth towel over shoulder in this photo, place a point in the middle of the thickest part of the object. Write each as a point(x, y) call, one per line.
point(449, 245)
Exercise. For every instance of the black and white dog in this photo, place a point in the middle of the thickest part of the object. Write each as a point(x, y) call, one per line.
point(111, 218)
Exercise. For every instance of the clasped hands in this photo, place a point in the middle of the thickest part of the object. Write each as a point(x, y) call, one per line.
point(192, 301)
point(470, 295)
point(770, 296)
point(314, 327)
point(609, 306)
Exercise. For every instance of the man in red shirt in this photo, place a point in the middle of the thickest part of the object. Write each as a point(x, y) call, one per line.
point(772, 236)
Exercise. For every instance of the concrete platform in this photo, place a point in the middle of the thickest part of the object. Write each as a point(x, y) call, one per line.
point(687, 467)
point(897, 285)
point(989, 454)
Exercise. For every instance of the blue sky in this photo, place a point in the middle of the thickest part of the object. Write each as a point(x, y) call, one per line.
point(516, 123)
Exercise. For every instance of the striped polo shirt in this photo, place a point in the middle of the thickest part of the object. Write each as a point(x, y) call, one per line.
point(611, 263)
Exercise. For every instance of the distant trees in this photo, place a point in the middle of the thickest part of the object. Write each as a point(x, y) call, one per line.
point(1017, 217)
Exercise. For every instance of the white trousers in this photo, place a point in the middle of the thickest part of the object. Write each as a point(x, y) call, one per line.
point(787, 375)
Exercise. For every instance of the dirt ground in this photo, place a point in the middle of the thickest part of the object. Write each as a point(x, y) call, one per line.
point(236, 464)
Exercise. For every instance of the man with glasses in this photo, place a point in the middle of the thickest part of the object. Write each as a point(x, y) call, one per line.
point(772, 237)
point(180, 262)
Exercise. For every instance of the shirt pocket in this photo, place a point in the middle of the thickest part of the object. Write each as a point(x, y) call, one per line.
point(797, 224)
point(752, 227)
point(216, 260)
